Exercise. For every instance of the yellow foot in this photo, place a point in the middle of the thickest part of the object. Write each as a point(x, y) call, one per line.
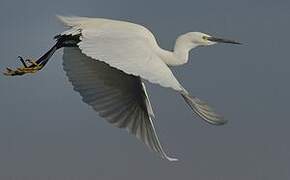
point(32, 62)
point(33, 68)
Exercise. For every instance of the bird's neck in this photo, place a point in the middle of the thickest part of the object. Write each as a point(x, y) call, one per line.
point(180, 53)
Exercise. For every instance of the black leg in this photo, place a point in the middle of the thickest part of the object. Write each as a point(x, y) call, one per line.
point(22, 61)
point(35, 66)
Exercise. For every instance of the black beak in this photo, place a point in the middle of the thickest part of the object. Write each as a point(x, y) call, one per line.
point(221, 40)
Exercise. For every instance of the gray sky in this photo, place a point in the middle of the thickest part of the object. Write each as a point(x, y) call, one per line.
point(46, 131)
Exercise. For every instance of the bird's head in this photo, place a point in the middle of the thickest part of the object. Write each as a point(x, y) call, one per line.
point(202, 39)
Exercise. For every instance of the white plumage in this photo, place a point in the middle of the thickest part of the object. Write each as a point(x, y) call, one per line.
point(118, 97)
point(110, 62)
point(106, 60)
point(126, 46)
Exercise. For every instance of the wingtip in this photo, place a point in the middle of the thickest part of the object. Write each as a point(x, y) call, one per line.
point(218, 122)
point(170, 158)
point(203, 110)
point(223, 122)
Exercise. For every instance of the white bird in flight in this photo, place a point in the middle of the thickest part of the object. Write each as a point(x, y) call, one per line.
point(106, 61)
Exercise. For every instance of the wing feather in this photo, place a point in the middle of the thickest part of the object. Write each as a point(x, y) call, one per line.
point(123, 45)
point(118, 97)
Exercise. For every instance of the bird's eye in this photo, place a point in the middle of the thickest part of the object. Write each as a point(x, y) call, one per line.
point(205, 38)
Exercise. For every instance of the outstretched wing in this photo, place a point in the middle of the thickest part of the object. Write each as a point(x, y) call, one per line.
point(131, 48)
point(125, 46)
point(118, 97)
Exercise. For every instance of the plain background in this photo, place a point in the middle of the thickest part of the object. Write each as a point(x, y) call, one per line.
point(46, 132)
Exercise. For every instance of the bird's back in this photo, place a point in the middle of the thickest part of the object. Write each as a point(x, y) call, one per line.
point(123, 45)
point(123, 27)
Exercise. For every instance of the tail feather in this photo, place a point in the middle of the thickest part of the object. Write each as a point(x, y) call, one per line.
point(203, 110)
point(71, 21)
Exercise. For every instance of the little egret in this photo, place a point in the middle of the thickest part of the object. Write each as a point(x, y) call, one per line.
point(106, 61)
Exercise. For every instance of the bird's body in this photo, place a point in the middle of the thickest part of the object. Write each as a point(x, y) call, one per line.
point(129, 30)
point(135, 47)
point(106, 61)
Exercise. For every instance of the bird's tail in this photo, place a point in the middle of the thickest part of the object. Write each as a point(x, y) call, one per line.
point(203, 110)
point(71, 21)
